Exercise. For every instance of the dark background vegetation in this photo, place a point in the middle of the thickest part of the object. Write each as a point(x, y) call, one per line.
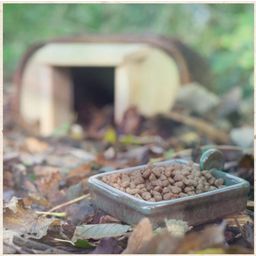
point(222, 33)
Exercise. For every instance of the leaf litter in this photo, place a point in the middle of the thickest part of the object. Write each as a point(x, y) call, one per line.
point(41, 174)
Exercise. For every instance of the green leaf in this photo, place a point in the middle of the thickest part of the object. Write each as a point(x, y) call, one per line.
point(110, 136)
point(99, 231)
point(83, 244)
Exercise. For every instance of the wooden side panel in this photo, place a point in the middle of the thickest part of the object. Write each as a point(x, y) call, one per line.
point(153, 79)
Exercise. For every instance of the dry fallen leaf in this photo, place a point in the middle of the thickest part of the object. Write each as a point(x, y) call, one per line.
point(99, 231)
point(35, 146)
point(49, 188)
point(142, 233)
point(210, 236)
point(24, 221)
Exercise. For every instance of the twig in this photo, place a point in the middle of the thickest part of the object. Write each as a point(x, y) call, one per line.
point(201, 125)
point(69, 202)
point(55, 214)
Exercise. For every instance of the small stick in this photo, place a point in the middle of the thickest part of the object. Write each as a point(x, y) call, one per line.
point(55, 214)
point(69, 202)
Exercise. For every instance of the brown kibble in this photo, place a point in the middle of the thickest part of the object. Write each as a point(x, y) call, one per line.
point(138, 196)
point(152, 177)
point(146, 173)
point(138, 180)
point(146, 195)
point(188, 182)
point(132, 185)
point(132, 191)
point(200, 186)
point(179, 184)
point(140, 186)
point(166, 190)
point(175, 190)
point(219, 182)
point(211, 181)
point(188, 189)
point(168, 172)
point(181, 194)
point(163, 177)
point(178, 177)
point(125, 184)
point(171, 181)
point(206, 188)
point(167, 196)
point(156, 183)
point(157, 195)
point(158, 189)
point(165, 183)
point(157, 171)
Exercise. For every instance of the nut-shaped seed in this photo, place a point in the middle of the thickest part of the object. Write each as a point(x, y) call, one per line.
point(198, 191)
point(167, 196)
point(212, 188)
point(152, 199)
point(191, 193)
point(175, 190)
point(146, 195)
point(219, 182)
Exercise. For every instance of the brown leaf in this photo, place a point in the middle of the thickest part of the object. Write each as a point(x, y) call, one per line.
point(79, 173)
point(165, 243)
point(209, 236)
point(34, 145)
point(142, 233)
point(25, 221)
point(49, 188)
point(108, 219)
point(132, 121)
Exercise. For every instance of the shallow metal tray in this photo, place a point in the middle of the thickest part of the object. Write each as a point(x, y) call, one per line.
point(195, 209)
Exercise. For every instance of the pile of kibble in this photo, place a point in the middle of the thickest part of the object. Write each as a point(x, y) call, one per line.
point(157, 183)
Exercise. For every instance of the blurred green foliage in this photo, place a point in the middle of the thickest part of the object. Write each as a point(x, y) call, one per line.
point(222, 33)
